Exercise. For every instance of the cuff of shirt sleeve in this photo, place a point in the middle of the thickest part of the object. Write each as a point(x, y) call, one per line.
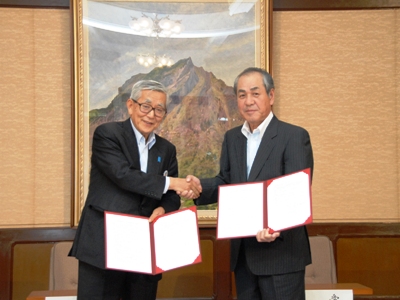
point(167, 180)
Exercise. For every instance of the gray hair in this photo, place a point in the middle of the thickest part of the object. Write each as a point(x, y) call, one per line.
point(267, 78)
point(147, 85)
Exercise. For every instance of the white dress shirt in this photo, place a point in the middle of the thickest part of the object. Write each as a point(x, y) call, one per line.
point(144, 151)
point(254, 139)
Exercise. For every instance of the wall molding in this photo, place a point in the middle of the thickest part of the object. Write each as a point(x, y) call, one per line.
point(35, 3)
point(279, 5)
point(292, 5)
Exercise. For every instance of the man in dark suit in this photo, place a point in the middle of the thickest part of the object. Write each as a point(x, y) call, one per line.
point(133, 171)
point(272, 264)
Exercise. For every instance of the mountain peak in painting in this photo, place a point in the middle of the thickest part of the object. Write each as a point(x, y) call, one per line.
point(201, 108)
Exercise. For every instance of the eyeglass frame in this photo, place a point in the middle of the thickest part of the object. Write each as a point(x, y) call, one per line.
point(152, 108)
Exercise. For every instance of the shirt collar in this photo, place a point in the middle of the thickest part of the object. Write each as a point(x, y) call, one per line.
point(261, 128)
point(140, 138)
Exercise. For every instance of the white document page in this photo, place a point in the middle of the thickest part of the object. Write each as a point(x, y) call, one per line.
point(288, 201)
point(128, 243)
point(329, 294)
point(240, 210)
point(176, 240)
point(60, 298)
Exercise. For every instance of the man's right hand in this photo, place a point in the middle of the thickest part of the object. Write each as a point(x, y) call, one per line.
point(188, 187)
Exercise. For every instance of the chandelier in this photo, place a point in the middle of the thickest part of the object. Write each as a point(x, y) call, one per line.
point(156, 27)
point(148, 60)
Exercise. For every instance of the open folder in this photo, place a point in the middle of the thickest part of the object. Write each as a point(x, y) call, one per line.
point(279, 204)
point(170, 241)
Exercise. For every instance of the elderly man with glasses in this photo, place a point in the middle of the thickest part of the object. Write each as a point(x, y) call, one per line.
point(133, 171)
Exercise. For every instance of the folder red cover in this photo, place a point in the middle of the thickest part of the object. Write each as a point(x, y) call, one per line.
point(280, 203)
point(169, 242)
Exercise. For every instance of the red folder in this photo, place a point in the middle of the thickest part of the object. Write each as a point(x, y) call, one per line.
point(280, 203)
point(169, 242)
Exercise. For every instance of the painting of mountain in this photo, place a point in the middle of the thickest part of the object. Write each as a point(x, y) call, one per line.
point(201, 108)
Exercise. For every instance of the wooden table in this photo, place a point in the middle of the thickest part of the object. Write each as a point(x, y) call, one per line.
point(358, 289)
point(41, 295)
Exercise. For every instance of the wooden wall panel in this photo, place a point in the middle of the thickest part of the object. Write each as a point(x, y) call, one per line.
point(53, 128)
point(374, 262)
point(336, 74)
point(17, 107)
point(31, 268)
point(35, 88)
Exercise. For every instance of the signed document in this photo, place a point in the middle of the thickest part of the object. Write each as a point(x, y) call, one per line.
point(169, 242)
point(279, 203)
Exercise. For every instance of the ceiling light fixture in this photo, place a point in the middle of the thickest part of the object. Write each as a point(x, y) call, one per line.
point(148, 60)
point(156, 27)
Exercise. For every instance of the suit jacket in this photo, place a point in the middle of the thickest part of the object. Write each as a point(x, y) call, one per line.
point(284, 149)
point(117, 184)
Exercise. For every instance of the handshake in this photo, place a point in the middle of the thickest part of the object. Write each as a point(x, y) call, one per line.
point(189, 187)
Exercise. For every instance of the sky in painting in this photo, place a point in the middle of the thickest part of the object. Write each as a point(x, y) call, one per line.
point(221, 37)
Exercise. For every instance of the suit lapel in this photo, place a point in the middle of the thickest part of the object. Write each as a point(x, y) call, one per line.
point(131, 144)
point(241, 154)
point(267, 144)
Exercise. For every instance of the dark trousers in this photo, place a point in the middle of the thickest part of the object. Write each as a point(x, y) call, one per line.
point(99, 284)
point(289, 286)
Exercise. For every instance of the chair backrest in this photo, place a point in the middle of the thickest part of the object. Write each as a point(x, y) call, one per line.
point(63, 268)
point(323, 267)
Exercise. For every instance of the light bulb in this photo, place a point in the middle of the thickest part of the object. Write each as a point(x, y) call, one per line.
point(134, 24)
point(140, 59)
point(177, 28)
point(165, 23)
point(145, 22)
point(150, 60)
point(163, 61)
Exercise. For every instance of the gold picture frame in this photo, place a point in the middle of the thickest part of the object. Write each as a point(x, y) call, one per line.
point(102, 37)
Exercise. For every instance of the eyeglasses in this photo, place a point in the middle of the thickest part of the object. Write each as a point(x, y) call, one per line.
point(146, 108)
